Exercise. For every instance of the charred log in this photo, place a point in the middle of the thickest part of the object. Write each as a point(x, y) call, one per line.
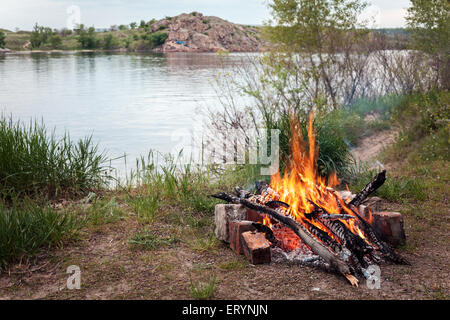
point(387, 251)
point(268, 233)
point(373, 185)
point(316, 246)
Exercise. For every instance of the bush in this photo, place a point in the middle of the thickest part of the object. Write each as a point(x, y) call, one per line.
point(34, 162)
point(88, 39)
point(55, 41)
point(2, 39)
point(157, 39)
point(110, 42)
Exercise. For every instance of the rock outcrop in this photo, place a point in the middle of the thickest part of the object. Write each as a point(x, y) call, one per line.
point(194, 32)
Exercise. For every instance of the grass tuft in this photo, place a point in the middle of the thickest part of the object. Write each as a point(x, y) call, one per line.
point(203, 290)
point(32, 161)
point(147, 240)
point(26, 228)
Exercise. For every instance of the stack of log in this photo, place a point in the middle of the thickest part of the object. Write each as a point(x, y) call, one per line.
point(240, 224)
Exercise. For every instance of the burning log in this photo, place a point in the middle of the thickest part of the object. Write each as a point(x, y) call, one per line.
point(306, 203)
point(318, 248)
point(267, 232)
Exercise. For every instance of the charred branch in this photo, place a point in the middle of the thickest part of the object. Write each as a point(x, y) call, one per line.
point(316, 246)
point(373, 185)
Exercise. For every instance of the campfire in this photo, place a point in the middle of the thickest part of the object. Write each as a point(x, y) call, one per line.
point(302, 212)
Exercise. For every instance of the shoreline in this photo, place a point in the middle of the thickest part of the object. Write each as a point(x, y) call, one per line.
point(122, 50)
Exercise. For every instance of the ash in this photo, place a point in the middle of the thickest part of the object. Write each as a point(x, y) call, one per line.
point(299, 256)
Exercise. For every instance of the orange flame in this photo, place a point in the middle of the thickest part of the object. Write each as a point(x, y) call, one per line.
point(303, 188)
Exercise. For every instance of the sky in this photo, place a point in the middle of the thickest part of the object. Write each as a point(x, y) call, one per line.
point(23, 14)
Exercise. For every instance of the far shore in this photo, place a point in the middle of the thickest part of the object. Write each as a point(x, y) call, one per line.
point(8, 51)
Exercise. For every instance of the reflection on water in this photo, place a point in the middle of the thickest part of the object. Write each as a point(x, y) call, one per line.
point(130, 102)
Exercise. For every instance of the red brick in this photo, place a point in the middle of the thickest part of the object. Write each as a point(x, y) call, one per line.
point(235, 229)
point(254, 216)
point(389, 227)
point(256, 247)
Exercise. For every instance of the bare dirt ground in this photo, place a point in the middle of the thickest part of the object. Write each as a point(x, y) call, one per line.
point(111, 268)
point(370, 147)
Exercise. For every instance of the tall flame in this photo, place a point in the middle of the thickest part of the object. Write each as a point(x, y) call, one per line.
point(303, 188)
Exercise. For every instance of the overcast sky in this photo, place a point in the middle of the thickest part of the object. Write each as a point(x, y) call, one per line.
point(23, 14)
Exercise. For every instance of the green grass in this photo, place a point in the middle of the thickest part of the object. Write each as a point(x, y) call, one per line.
point(35, 161)
point(26, 228)
point(103, 211)
point(147, 240)
point(398, 189)
point(203, 290)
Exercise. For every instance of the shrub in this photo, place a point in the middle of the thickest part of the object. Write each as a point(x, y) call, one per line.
point(157, 39)
point(55, 41)
point(2, 39)
point(110, 42)
point(88, 39)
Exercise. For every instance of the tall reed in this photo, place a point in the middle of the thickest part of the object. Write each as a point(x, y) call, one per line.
point(34, 161)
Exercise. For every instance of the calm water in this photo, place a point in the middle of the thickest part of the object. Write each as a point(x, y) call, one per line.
point(131, 103)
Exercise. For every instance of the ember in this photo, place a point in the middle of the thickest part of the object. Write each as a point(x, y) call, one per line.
point(301, 208)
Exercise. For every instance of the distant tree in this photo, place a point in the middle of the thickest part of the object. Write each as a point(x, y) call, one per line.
point(66, 32)
point(110, 42)
point(142, 24)
point(79, 29)
point(88, 39)
point(123, 27)
point(429, 23)
point(40, 35)
point(55, 41)
point(133, 25)
point(2, 39)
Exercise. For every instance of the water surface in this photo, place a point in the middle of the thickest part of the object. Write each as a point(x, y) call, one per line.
point(131, 103)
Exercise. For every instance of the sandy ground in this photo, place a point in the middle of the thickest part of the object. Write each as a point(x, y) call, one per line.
point(369, 147)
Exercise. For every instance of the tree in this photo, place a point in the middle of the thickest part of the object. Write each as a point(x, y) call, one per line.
point(40, 35)
point(2, 39)
point(110, 42)
point(133, 25)
point(79, 29)
point(55, 41)
point(142, 24)
point(88, 39)
point(429, 22)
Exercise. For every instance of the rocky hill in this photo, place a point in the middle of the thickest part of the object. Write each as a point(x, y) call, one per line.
point(194, 32)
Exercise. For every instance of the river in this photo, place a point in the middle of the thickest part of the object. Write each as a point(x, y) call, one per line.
point(130, 103)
